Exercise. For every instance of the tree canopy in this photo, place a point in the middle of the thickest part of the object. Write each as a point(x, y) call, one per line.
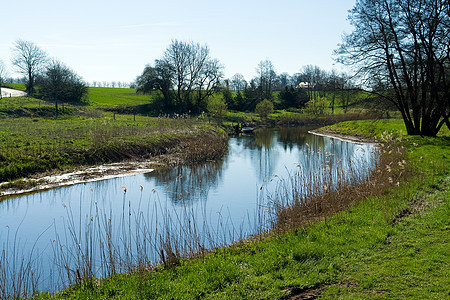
point(60, 84)
point(400, 49)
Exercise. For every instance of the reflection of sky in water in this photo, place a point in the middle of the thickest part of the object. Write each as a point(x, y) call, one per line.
point(224, 192)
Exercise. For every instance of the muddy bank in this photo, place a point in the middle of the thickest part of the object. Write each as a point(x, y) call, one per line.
point(343, 137)
point(199, 147)
point(90, 174)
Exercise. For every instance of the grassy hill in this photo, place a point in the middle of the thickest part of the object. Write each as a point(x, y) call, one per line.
point(100, 97)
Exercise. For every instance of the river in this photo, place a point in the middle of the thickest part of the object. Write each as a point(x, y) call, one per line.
point(186, 208)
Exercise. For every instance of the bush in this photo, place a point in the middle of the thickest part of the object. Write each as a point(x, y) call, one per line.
point(264, 108)
point(217, 109)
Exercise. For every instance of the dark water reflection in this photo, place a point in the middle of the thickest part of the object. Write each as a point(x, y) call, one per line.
point(221, 196)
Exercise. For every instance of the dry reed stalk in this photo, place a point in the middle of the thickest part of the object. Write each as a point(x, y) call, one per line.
point(306, 204)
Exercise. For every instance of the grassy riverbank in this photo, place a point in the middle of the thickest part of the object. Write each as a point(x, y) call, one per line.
point(390, 242)
point(34, 146)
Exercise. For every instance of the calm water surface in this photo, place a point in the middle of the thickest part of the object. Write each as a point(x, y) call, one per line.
point(221, 196)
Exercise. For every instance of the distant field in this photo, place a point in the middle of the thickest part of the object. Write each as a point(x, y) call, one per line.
point(100, 96)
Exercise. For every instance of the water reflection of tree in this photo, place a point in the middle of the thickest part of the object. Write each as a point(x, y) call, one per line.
point(297, 136)
point(184, 184)
point(336, 159)
point(188, 183)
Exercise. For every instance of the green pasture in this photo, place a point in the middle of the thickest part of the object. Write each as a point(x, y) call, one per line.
point(101, 97)
point(16, 86)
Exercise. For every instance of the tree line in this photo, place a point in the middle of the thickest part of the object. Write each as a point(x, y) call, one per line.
point(186, 77)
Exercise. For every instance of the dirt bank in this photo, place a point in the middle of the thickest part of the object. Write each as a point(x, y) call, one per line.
point(192, 149)
point(82, 175)
point(343, 137)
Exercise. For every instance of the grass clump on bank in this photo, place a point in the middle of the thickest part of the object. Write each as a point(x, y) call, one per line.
point(389, 242)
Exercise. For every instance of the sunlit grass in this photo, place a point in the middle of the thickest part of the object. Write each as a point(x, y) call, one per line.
point(99, 97)
point(29, 146)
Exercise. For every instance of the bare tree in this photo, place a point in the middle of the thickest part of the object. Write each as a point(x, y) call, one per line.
point(195, 74)
point(60, 84)
point(2, 72)
point(314, 79)
point(267, 77)
point(2, 75)
point(401, 49)
point(29, 60)
point(283, 80)
point(238, 82)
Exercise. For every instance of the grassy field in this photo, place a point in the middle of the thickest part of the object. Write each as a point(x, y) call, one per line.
point(100, 97)
point(33, 139)
point(30, 146)
point(391, 243)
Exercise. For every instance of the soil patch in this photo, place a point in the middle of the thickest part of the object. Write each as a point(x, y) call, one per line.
point(296, 293)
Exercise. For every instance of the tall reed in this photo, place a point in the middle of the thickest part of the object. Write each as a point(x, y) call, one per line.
point(308, 197)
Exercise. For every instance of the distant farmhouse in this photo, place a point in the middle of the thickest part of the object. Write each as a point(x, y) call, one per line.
point(306, 85)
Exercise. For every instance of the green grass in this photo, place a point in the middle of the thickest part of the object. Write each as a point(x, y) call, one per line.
point(29, 146)
point(390, 246)
point(97, 97)
point(411, 263)
point(370, 128)
point(100, 97)
point(17, 107)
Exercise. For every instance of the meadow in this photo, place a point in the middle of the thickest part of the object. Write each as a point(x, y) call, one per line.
point(101, 97)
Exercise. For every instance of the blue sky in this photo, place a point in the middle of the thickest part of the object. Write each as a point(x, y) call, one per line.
point(113, 40)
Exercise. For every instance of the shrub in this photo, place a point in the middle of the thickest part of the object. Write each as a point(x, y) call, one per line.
point(217, 109)
point(264, 108)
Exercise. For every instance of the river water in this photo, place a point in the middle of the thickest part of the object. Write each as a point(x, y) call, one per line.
point(132, 217)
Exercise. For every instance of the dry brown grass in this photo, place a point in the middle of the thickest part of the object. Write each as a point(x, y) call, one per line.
point(320, 199)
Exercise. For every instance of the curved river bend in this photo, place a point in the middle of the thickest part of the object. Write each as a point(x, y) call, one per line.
point(204, 205)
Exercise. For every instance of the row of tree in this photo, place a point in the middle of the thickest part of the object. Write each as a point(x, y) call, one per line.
point(186, 76)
